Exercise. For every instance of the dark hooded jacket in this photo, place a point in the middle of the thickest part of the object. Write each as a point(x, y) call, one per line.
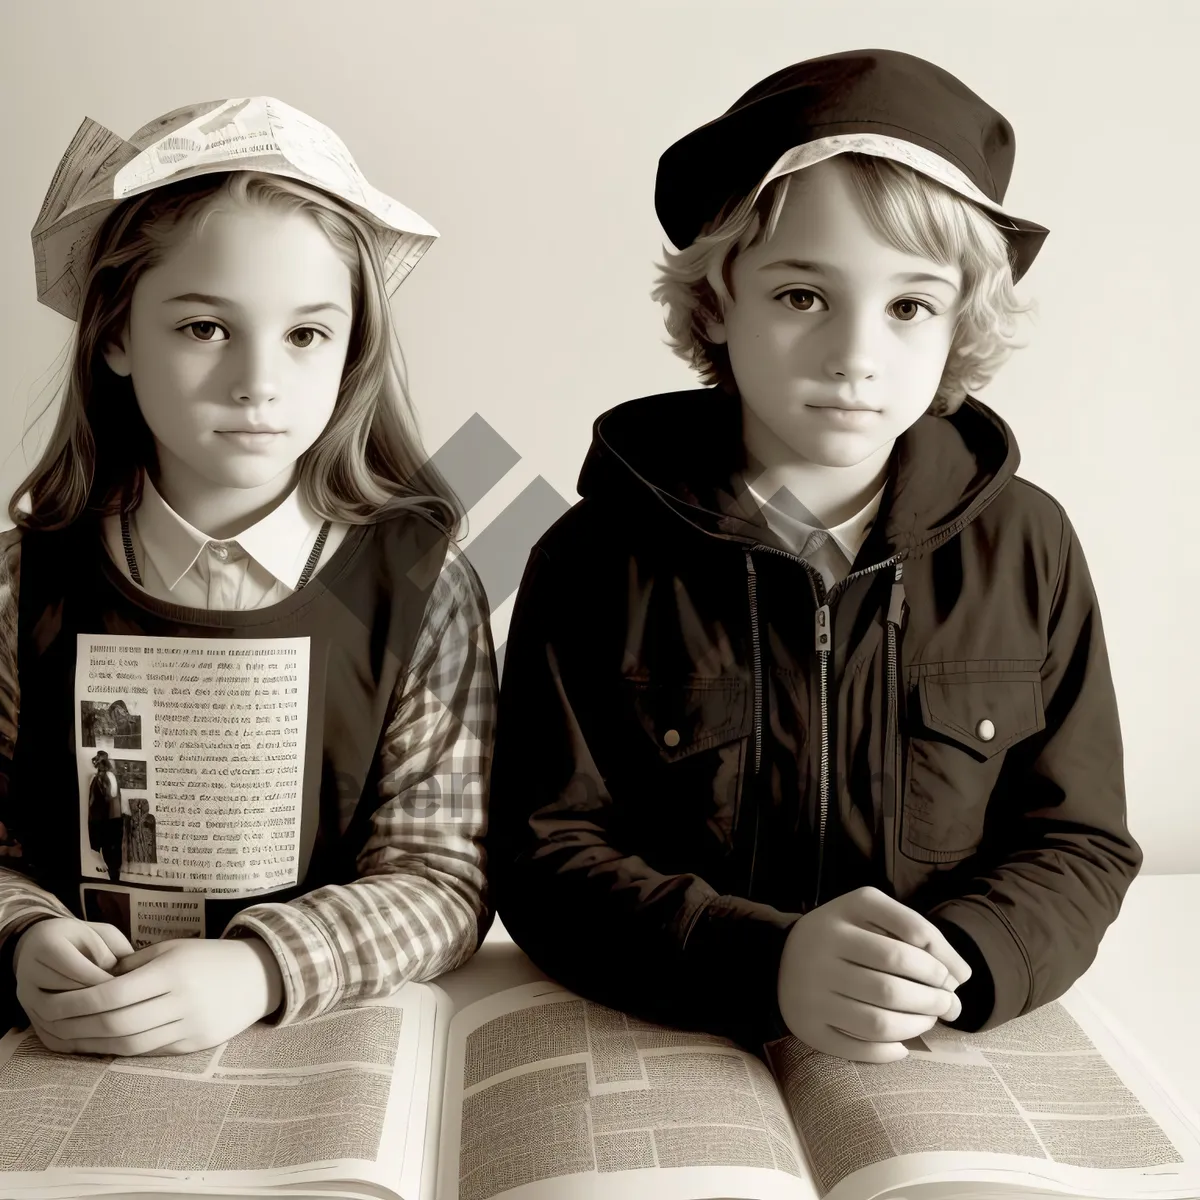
point(696, 745)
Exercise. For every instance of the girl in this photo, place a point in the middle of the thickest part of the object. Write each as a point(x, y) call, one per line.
point(233, 459)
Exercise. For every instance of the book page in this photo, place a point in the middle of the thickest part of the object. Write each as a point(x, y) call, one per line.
point(341, 1098)
point(1048, 1100)
point(548, 1095)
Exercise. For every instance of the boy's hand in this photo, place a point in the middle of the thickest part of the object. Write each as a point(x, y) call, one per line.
point(863, 973)
point(174, 997)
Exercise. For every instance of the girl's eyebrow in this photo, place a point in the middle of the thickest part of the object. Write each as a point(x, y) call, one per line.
point(812, 268)
point(219, 301)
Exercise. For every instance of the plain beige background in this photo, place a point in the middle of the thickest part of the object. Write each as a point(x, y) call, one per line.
point(528, 134)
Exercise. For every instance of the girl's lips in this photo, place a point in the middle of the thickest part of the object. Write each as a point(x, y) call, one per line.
point(250, 441)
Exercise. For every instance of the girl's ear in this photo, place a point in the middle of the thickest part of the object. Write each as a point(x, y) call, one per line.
point(116, 354)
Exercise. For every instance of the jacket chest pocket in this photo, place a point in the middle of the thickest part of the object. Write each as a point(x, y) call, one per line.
point(693, 734)
point(958, 737)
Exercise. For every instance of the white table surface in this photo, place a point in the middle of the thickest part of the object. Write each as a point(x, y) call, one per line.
point(1146, 975)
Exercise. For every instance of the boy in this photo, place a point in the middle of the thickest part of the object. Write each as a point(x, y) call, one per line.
point(807, 723)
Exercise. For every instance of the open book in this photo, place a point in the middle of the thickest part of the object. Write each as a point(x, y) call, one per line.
point(532, 1092)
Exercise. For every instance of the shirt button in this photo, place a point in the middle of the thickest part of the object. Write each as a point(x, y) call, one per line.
point(985, 730)
point(222, 552)
point(671, 737)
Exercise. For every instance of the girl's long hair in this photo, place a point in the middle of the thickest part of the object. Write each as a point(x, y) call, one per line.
point(368, 462)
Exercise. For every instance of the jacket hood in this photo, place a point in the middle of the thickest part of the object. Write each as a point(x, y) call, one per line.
point(675, 458)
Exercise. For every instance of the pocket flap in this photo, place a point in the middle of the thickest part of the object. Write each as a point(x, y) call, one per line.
point(983, 713)
point(693, 714)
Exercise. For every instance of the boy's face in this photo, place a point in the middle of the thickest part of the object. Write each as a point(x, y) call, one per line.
point(836, 339)
point(243, 325)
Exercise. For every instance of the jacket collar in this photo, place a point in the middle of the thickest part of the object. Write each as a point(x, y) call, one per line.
point(677, 458)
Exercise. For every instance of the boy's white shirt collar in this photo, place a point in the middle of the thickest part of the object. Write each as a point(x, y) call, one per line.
point(280, 543)
point(849, 535)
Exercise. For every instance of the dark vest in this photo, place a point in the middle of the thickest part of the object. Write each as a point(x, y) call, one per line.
point(361, 611)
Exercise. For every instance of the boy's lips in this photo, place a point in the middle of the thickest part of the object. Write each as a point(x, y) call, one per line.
point(845, 415)
point(845, 406)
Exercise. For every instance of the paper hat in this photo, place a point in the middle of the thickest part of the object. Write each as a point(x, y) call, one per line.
point(100, 169)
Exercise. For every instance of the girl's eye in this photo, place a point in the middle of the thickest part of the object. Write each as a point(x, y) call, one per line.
point(309, 335)
point(906, 310)
point(801, 300)
point(203, 331)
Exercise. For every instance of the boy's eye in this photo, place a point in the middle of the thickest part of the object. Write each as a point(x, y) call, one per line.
point(801, 300)
point(204, 331)
point(906, 310)
point(308, 335)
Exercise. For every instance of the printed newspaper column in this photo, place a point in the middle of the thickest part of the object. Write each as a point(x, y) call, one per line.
point(190, 755)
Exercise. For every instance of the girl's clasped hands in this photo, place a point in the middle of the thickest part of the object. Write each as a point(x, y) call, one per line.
point(87, 991)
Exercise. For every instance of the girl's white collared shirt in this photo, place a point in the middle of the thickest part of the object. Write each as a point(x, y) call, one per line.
point(182, 565)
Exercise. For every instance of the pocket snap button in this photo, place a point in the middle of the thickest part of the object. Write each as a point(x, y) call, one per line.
point(985, 730)
point(671, 737)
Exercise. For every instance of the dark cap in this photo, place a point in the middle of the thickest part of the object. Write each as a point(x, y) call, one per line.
point(880, 102)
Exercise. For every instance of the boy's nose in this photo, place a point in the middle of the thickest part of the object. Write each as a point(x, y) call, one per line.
point(850, 357)
point(851, 366)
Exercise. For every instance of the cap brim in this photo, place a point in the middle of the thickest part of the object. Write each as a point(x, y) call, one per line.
point(1026, 237)
point(683, 227)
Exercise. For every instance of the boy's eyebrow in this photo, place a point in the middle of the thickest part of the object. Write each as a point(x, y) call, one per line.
point(219, 301)
point(923, 277)
point(812, 268)
point(794, 264)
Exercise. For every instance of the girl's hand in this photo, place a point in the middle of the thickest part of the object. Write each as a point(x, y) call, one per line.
point(175, 997)
point(59, 955)
point(62, 953)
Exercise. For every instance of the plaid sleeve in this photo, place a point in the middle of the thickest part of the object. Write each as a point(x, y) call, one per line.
point(418, 908)
point(22, 902)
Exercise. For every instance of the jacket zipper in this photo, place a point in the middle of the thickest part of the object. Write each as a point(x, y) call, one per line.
point(824, 646)
point(752, 586)
point(891, 805)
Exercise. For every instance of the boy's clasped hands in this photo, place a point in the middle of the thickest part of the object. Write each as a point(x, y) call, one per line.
point(87, 991)
point(862, 973)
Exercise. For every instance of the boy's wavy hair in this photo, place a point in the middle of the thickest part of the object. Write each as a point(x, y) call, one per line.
point(368, 462)
point(912, 213)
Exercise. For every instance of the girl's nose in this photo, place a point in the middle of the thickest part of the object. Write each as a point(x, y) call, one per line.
point(256, 378)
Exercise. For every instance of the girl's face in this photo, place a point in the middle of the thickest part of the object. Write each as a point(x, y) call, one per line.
point(236, 343)
point(836, 339)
